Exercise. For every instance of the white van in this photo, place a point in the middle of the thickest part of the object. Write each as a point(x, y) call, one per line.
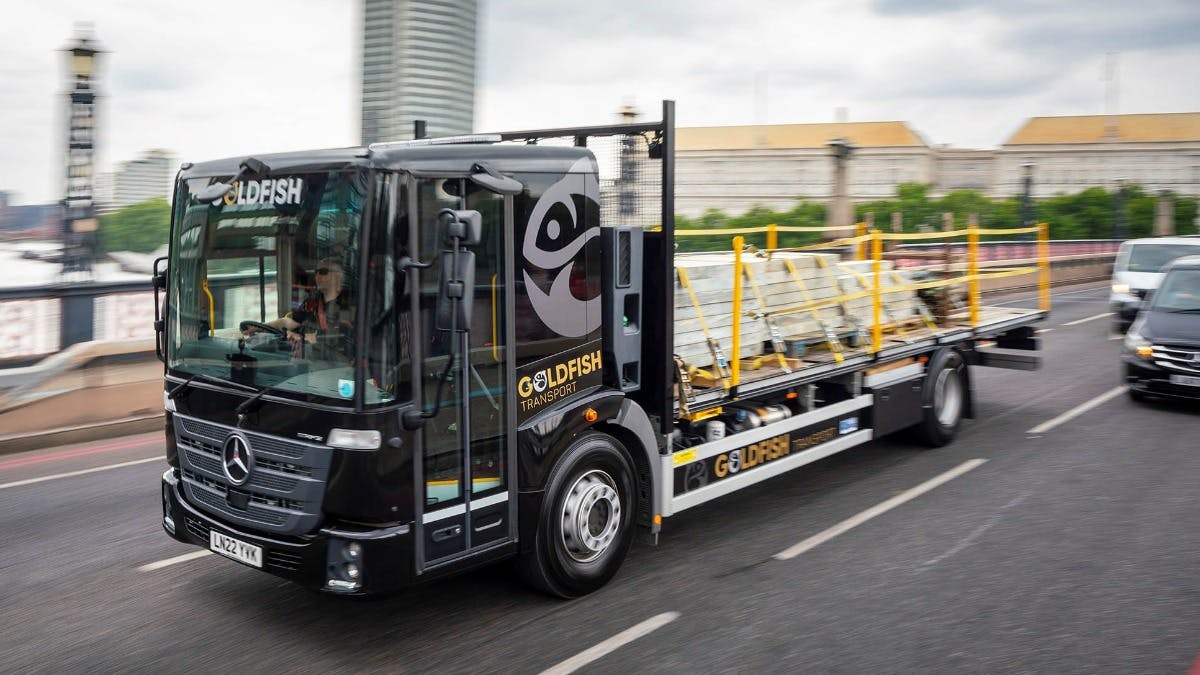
point(1138, 270)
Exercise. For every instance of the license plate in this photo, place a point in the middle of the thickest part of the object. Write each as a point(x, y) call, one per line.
point(1188, 380)
point(235, 548)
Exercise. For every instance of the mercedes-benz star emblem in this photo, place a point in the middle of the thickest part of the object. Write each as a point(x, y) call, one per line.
point(236, 459)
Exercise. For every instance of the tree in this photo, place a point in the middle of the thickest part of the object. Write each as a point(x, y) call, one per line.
point(141, 228)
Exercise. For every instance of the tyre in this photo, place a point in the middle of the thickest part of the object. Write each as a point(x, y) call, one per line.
point(585, 526)
point(944, 398)
point(1136, 395)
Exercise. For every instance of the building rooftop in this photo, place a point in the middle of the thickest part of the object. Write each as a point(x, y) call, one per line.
point(793, 136)
point(1149, 128)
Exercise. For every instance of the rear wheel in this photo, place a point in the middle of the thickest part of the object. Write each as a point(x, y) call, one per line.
point(585, 526)
point(944, 398)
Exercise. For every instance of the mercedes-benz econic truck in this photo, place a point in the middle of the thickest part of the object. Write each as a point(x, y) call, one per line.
point(391, 363)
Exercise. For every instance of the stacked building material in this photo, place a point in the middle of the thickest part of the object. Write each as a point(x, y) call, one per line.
point(794, 297)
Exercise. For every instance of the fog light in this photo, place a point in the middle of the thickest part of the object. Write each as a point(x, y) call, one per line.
point(351, 571)
point(353, 550)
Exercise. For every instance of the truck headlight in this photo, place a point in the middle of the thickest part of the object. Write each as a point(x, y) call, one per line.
point(1121, 289)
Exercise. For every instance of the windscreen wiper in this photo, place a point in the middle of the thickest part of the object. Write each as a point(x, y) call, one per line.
point(244, 406)
point(182, 388)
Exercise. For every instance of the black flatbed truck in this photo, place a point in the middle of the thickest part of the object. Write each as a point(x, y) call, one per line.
point(502, 383)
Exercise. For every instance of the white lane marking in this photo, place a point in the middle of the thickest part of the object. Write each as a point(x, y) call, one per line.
point(1077, 410)
point(31, 481)
point(1116, 337)
point(975, 534)
point(881, 508)
point(159, 564)
point(1054, 295)
point(615, 642)
point(1045, 330)
point(1090, 318)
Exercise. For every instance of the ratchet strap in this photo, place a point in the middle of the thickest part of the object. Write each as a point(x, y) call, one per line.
point(835, 345)
point(714, 348)
point(777, 343)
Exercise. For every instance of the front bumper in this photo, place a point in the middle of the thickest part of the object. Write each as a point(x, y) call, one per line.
point(1145, 377)
point(1125, 307)
point(385, 562)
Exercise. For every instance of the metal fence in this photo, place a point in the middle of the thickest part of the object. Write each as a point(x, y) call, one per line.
point(43, 320)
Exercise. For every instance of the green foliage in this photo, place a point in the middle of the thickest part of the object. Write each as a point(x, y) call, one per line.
point(1091, 214)
point(142, 227)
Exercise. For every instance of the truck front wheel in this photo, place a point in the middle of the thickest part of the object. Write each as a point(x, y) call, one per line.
point(586, 523)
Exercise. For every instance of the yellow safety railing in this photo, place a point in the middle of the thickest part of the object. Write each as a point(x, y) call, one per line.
point(872, 241)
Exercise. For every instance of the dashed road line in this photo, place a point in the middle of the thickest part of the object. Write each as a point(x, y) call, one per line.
point(159, 564)
point(611, 644)
point(879, 509)
point(1090, 318)
point(1077, 410)
point(69, 474)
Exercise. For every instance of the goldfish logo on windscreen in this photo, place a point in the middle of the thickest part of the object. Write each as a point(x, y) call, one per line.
point(559, 309)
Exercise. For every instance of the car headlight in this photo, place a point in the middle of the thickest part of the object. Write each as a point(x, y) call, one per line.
point(1138, 345)
point(1120, 288)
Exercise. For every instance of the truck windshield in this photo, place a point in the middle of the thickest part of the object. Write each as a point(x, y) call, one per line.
point(264, 284)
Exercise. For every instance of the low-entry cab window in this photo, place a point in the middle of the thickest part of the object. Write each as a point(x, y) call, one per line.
point(264, 284)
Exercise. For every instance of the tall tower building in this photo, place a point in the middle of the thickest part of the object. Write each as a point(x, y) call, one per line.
point(418, 63)
point(150, 176)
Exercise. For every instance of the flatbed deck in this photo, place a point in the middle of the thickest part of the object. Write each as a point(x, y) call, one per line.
point(818, 365)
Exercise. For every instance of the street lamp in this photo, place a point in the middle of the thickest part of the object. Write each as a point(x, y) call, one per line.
point(1120, 229)
point(79, 217)
point(1027, 215)
point(839, 210)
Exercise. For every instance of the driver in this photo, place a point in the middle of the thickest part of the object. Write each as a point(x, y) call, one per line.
point(323, 320)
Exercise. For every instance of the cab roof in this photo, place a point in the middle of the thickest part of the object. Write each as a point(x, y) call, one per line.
point(420, 160)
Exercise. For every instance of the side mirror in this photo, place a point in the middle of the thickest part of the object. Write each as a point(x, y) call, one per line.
point(456, 292)
point(466, 226)
point(213, 192)
point(490, 179)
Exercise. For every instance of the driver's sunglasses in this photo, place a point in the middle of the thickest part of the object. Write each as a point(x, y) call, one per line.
point(322, 270)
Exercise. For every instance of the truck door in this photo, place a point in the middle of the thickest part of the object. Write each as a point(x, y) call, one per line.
point(466, 460)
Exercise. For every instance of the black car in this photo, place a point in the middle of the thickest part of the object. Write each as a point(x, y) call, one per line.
point(1161, 353)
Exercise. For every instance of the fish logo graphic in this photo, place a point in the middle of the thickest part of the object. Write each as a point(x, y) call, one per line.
point(559, 309)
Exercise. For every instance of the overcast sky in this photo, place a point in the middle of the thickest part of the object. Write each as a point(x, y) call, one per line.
point(206, 80)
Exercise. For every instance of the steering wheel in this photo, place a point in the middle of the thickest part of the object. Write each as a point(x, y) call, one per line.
point(265, 327)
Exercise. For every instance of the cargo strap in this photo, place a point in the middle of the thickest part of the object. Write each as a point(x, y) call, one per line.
point(930, 323)
point(686, 395)
point(777, 343)
point(714, 348)
point(831, 338)
point(868, 285)
point(836, 281)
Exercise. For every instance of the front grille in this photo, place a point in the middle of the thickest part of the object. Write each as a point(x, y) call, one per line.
point(286, 484)
point(283, 561)
point(1177, 359)
point(196, 528)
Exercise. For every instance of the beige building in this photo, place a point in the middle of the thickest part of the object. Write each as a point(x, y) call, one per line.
point(962, 169)
point(1070, 154)
point(735, 168)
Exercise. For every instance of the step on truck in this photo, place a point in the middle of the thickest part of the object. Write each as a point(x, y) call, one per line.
point(388, 364)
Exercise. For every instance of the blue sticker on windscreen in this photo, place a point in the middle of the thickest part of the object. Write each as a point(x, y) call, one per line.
point(346, 388)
